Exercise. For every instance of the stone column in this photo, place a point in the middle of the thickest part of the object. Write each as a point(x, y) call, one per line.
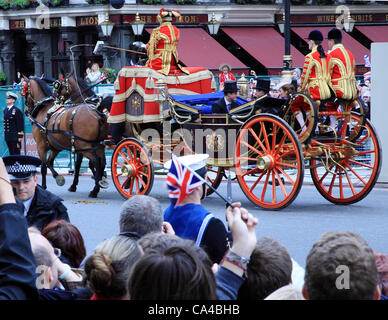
point(8, 58)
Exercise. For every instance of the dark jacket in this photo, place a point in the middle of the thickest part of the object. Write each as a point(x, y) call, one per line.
point(17, 263)
point(45, 207)
point(220, 106)
point(13, 124)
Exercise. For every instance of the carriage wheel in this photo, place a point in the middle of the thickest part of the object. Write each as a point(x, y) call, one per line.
point(214, 176)
point(269, 162)
point(305, 123)
point(132, 168)
point(350, 179)
point(348, 127)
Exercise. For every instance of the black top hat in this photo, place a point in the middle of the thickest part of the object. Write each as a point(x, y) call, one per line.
point(315, 35)
point(21, 167)
point(334, 34)
point(263, 84)
point(230, 87)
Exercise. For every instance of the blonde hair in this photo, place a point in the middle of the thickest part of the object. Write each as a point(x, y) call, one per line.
point(109, 267)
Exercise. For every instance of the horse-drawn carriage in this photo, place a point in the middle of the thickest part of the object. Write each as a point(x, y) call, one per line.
point(259, 142)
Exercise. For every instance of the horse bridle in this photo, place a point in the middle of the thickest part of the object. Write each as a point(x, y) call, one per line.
point(27, 92)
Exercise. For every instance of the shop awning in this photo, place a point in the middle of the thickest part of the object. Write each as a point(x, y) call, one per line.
point(375, 33)
point(265, 44)
point(196, 48)
point(349, 42)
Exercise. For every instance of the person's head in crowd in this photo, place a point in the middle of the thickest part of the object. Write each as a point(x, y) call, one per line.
point(44, 254)
point(140, 215)
point(269, 269)
point(95, 67)
point(286, 90)
point(157, 241)
point(177, 189)
point(315, 39)
point(68, 239)
point(230, 90)
point(341, 266)
point(382, 269)
point(334, 37)
point(225, 68)
point(262, 87)
point(366, 97)
point(22, 173)
point(274, 93)
point(296, 73)
point(109, 267)
point(176, 273)
point(288, 292)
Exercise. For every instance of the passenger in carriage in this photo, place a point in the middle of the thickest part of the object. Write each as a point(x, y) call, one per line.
point(228, 102)
point(162, 47)
point(226, 75)
point(262, 88)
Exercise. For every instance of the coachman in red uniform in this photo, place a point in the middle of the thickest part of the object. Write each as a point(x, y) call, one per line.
point(162, 47)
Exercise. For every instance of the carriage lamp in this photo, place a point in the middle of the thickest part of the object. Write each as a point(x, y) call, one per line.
point(213, 25)
point(107, 26)
point(281, 23)
point(243, 85)
point(137, 25)
point(161, 96)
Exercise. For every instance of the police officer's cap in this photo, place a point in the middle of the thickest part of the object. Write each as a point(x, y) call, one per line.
point(334, 34)
point(11, 95)
point(315, 35)
point(21, 167)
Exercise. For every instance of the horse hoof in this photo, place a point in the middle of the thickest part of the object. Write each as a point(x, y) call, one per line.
point(103, 184)
point(60, 180)
point(72, 189)
point(92, 195)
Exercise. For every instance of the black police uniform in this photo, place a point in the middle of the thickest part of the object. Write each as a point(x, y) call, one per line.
point(13, 128)
point(45, 206)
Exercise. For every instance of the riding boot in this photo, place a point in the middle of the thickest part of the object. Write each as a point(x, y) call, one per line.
point(116, 131)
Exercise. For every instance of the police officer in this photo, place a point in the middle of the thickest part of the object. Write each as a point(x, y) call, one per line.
point(13, 124)
point(40, 206)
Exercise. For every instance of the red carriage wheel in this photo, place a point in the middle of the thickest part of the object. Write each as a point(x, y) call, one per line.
point(132, 168)
point(269, 162)
point(349, 127)
point(214, 176)
point(352, 176)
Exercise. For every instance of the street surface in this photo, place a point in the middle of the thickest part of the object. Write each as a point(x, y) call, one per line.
point(297, 227)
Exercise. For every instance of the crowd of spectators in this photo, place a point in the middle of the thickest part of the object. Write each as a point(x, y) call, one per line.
point(146, 260)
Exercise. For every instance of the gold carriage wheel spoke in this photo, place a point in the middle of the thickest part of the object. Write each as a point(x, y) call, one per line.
point(285, 154)
point(130, 155)
point(265, 135)
point(362, 140)
point(252, 148)
point(265, 186)
point(286, 175)
point(119, 163)
point(366, 152)
point(350, 183)
point(144, 174)
point(360, 164)
point(355, 173)
point(257, 181)
point(258, 141)
point(280, 183)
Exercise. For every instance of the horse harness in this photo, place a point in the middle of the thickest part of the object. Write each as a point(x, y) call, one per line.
point(58, 109)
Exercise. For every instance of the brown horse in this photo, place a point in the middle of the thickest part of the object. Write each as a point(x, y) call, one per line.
point(79, 129)
point(74, 92)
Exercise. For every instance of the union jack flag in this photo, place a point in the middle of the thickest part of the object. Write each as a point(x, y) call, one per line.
point(180, 182)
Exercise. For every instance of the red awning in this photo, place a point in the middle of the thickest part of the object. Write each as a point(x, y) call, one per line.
point(349, 42)
point(265, 44)
point(375, 33)
point(196, 48)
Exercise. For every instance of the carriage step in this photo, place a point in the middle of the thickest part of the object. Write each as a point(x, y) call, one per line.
point(109, 143)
